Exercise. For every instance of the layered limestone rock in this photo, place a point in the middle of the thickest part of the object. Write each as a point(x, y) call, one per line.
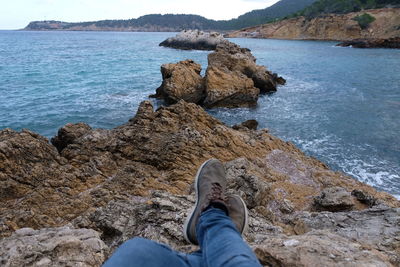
point(233, 59)
point(229, 89)
point(63, 246)
point(195, 39)
point(137, 180)
point(181, 81)
point(329, 27)
point(233, 79)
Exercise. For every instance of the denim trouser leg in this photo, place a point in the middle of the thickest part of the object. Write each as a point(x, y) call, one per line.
point(220, 242)
point(142, 252)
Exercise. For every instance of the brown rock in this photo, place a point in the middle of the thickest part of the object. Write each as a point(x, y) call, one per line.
point(106, 180)
point(246, 125)
point(68, 133)
point(229, 89)
point(229, 56)
point(329, 27)
point(181, 81)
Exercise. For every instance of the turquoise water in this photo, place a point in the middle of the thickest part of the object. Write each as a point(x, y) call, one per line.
point(341, 105)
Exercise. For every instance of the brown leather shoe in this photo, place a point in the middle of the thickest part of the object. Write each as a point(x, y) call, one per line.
point(210, 186)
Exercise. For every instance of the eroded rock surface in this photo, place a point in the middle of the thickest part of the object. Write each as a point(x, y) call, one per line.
point(181, 81)
point(230, 57)
point(136, 180)
point(61, 246)
point(194, 39)
point(233, 79)
point(329, 27)
point(228, 89)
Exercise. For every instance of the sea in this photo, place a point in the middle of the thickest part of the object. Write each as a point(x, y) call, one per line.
point(340, 105)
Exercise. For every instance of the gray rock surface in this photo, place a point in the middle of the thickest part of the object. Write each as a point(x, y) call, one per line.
point(61, 246)
point(334, 199)
point(318, 248)
point(194, 39)
point(378, 227)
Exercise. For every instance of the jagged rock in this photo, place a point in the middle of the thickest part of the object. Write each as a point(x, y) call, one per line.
point(317, 248)
point(53, 247)
point(231, 57)
point(372, 43)
point(181, 81)
point(68, 133)
point(105, 179)
point(229, 89)
point(334, 199)
point(159, 217)
point(233, 79)
point(246, 125)
point(364, 197)
point(378, 227)
point(194, 39)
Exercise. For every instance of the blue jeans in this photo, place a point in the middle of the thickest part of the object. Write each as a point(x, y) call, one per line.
point(220, 245)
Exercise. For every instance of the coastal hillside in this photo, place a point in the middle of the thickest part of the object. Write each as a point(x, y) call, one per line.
point(368, 24)
point(171, 22)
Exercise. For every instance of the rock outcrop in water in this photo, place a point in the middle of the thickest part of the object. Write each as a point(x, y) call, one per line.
point(233, 79)
point(181, 81)
point(195, 39)
point(373, 43)
point(99, 187)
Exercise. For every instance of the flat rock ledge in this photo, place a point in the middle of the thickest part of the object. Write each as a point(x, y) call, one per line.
point(372, 43)
point(72, 202)
point(232, 79)
point(195, 40)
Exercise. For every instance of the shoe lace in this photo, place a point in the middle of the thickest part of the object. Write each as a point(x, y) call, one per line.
point(216, 194)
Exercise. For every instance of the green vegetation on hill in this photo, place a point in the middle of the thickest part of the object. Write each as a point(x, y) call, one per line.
point(170, 22)
point(322, 7)
point(364, 20)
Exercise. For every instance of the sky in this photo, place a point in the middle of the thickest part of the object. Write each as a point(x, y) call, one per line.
point(16, 14)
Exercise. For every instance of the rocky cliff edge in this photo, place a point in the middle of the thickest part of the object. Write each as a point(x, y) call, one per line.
point(341, 27)
point(75, 200)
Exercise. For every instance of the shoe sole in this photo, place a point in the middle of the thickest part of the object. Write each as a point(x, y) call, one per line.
point(190, 217)
point(246, 217)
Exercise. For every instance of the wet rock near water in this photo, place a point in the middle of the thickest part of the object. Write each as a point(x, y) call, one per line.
point(103, 187)
point(232, 79)
point(195, 39)
point(181, 81)
point(372, 43)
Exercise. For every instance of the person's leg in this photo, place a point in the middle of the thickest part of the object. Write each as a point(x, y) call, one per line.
point(143, 252)
point(221, 243)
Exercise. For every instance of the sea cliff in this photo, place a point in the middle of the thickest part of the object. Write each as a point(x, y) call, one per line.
point(329, 27)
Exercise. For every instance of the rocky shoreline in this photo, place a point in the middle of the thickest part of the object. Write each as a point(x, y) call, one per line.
point(333, 27)
point(76, 198)
point(373, 43)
